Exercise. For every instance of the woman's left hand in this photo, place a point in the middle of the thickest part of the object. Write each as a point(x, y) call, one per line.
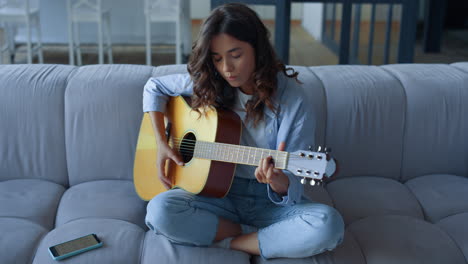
point(266, 173)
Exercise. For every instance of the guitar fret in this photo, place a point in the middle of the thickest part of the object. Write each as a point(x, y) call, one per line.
point(247, 149)
point(255, 156)
point(242, 148)
point(246, 155)
point(202, 150)
point(223, 156)
point(226, 153)
point(209, 151)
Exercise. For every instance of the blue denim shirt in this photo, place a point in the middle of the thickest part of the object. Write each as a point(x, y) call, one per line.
point(293, 123)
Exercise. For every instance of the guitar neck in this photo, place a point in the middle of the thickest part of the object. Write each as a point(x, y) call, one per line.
point(238, 154)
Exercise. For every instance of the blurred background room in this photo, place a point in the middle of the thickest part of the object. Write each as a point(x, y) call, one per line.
point(159, 32)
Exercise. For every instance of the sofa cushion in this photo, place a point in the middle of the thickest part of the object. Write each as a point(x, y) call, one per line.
point(102, 199)
point(169, 69)
point(440, 195)
point(121, 240)
point(363, 107)
point(318, 194)
point(19, 239)
point(404, 240)
point(103, 112)
point(436, 123)
point(347, 252)
point(31, 122)
point(456, 227)
point(463, 66)
point(34, 200)
point(157, 249)
point(361, 197)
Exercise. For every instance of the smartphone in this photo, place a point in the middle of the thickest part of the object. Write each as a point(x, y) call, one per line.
point(74, 247)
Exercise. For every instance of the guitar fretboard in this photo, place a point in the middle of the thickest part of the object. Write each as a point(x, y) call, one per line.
point(238, 154)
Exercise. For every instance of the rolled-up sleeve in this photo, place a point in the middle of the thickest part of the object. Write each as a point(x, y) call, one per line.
point(295, 191)
point(158, 89)
point(297, 129)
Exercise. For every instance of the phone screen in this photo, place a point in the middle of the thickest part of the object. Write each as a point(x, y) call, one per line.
point(74, 245)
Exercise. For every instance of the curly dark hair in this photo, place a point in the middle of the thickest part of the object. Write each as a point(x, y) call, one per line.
point(209, 88)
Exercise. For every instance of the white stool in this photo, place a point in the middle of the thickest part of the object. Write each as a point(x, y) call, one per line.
point(20, 12)
point(82, 11)
point(159, 11)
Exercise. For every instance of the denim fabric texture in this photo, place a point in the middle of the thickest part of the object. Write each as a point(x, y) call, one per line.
point(298, 231)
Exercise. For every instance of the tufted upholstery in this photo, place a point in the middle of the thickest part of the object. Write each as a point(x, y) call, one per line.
point(68, 136)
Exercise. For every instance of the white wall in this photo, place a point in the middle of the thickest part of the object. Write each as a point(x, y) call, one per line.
point(201, 9)
point(312, 19)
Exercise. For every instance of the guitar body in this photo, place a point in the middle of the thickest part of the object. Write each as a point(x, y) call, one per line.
point(198, 176)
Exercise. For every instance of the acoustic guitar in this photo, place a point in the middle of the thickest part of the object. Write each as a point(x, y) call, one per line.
point(209, 147)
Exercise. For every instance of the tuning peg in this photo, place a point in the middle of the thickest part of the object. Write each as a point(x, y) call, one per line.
point(319, 148)
point(327, 150)
point(310, 148)
point(303, 180)
point(312, 183)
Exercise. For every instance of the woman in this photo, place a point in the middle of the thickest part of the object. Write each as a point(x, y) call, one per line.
point(233, 65)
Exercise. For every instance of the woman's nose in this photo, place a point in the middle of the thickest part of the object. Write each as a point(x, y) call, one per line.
point(227, 66)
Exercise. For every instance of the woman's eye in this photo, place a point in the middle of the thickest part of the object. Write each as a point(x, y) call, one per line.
point(216, 59)
point(236, 56)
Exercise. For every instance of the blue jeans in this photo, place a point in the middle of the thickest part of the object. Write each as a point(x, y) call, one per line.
point(295, 231)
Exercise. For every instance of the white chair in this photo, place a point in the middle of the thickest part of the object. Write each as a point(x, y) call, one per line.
point(5, 45)
point(15, 13)
point(88, 11)
point(163, 11)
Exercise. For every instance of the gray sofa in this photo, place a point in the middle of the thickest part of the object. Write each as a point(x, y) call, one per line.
point(400, 134)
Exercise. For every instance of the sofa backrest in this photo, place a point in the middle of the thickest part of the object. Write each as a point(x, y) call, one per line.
point(32, 132)
point(436, 118)
point(364, 119)
point(103, 112)
point(75, 124)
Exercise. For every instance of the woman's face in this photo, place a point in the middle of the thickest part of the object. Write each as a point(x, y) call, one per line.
point(234, 60)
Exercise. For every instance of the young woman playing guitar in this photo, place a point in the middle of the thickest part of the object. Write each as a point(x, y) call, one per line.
point(233, 66)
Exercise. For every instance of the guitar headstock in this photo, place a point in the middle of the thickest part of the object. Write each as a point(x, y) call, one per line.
point(313, 165)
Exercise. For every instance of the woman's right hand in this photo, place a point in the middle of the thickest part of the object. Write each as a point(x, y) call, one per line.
point(165, 152)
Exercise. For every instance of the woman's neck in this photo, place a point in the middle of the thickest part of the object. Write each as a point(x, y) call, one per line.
point(247, 89)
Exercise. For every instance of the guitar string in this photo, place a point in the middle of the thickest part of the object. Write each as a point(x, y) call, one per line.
point(190, 151)
point(191, 144)
point(189, 148)
point(280, 164)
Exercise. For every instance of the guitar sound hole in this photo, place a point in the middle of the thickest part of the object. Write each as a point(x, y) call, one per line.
point(187, 147)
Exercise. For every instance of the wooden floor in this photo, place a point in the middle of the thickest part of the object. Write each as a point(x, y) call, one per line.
point(304, 49)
